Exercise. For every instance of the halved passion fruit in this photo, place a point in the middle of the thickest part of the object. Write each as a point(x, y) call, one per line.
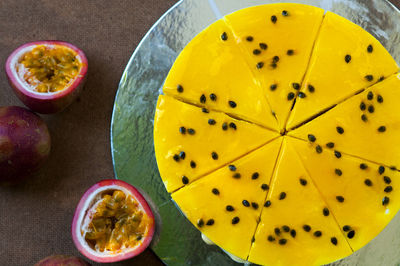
point(47, 76)
point(112, 222)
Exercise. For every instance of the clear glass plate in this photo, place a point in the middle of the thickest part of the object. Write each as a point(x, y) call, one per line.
point(177, 241)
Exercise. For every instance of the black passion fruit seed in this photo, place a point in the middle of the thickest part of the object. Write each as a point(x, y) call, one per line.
point(182, 130)
point(277, 231)
point(318, 149)
point(191, 131)
point(368, 182)
point(338, 172)
point(311, 138)
point(388, 189)
point(224, 36)
point(370, 95)
point(213, 97)
point(290, 52)
point(200, 223)
point(246, 203)
point(387, 180)
point(369, 77)
point(214, 155)
point(273, 87)
point(256, 52)
point(210, 222)
point(290, 96)
point(215, 191)
point(317, 233)
point(382, 129)
point(371, 109)
point(334, 240)
point(303, 182)
point(255, 175)
point(236, 175)
point(235, 220)
point(192, 164)
point(351, 234)
point(275, 59)
point(381, 169)
point(285, 13)
point(346, 228)
point(249, 38)
point(364, 118)
point(311, 88)
point(254, 205)
point(260, 65)
point(330, 145)
point(338, 154)
point(232, 125)
point(293, 233)
point(232, 104)
point(362, 106)
point(203, 98)
point(179, 88)
point(282, 195)
point(232, 168)
point(229, 208)
point(211, 122)
point(271, 238)
point(385, 201)
point(176, 158)
point(264, 187)
point(379, 99)
point(302, 95)
point(296, 86)
point(363, 166)
point(185, 180)
point(306, 228)
point(347, 58)
point(224, 126)
point(267, 203)
point(274, 19)
point(286, 228)
point(340, 130)
point(339, 198)
point(182, 155)
point(325, 211)
point(370, 48)
point(263, 46)
point(205, 110)
point(282, 241)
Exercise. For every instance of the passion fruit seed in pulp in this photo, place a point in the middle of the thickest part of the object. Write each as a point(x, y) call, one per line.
point(49, 68)
point(116, 223)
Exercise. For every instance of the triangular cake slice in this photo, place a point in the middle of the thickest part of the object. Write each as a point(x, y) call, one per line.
point(295, 219)
point(363, 196)
point(367, 125)
point(277, 40)
point(345, 60)
point(211, 72)
point(191, 142)
point(225, 205)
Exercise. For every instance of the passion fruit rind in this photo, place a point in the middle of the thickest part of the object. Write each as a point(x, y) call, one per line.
point(24, 143)
point(51, 101)
point(112, 222)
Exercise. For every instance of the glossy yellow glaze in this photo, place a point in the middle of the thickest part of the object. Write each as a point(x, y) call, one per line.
point(228, 144)
point(303, 205)
point(362, 207)
point(296, 31)
point(332, 78)
point(361, 138)
point(210, 65)
point(197, 201)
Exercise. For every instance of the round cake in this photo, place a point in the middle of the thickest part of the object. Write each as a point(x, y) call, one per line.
point(278, 135)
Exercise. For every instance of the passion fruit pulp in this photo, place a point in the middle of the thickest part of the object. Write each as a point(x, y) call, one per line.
point(112, 222)
point(24, 143)
point(47, 75)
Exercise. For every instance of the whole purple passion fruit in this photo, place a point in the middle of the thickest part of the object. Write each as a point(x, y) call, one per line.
point(62, 260)
point(112, 222)
point(24, 143)
point(47, 76)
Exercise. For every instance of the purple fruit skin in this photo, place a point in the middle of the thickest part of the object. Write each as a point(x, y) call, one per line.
point(62, 260)
point(24, 143)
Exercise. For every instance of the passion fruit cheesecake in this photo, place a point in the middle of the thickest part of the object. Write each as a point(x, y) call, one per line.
point(277, 136)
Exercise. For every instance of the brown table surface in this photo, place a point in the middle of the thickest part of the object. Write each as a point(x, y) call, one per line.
point(35, 216)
